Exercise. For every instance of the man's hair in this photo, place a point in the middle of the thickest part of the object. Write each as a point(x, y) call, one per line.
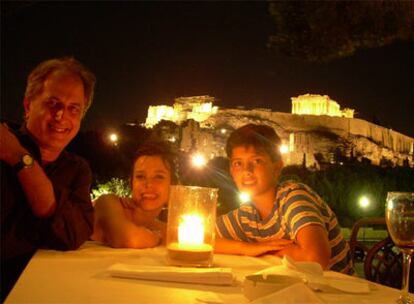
point(261, 137)
point(162, 149)
point(69, 65)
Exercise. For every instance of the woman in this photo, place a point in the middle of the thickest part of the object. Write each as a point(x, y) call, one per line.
point(132, 222)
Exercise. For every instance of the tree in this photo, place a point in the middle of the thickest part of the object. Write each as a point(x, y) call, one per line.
point(320, 31)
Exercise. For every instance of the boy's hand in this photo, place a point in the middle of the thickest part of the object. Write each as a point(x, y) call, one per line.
point(255, 249)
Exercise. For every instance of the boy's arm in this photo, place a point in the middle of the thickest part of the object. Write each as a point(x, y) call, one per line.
point(251, 249)
point(311, 245)
point(118, 230)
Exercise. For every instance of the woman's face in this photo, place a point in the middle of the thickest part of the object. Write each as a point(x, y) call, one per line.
point(151, 182)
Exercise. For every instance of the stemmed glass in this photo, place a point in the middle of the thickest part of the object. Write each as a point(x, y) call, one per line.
point(399, 215)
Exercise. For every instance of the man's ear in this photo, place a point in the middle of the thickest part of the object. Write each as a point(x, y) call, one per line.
point(26, 105)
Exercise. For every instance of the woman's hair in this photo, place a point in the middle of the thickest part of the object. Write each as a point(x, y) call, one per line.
point(161, 149)
point(261, 137)
point(68, 65)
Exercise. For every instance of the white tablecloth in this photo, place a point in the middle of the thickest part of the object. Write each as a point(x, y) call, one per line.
point(81, 277)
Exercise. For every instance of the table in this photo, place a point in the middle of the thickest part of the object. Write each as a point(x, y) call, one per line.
point(80, 277)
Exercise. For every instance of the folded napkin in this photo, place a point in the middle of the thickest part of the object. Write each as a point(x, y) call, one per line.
point(210, 276)
point(312, 274)
point(297, 293)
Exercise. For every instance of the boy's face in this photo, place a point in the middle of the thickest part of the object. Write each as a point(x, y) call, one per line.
point(253, 171)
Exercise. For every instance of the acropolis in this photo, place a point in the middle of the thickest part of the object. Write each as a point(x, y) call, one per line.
point(317, 131)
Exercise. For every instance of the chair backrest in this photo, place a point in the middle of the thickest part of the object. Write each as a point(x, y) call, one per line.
point(383, 263)
point(359, 249)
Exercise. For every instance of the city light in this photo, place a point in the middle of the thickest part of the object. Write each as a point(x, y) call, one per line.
point(244, 197)
point(198, 160)
point(364, 202)
point(113, 137)
point(284, 149)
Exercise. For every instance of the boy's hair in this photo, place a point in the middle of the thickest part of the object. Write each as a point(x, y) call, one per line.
point(161, 149)
point(261, 137)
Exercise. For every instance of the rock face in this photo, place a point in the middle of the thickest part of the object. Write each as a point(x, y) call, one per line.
point(312, 140)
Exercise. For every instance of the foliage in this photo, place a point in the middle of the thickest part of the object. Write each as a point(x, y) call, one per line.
point(116, 186)
point(341, 186)
point(320, 31)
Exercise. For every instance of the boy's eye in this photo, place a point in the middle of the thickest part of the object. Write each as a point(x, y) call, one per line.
point(236, 164)
point(258, 161)
point(159, 177)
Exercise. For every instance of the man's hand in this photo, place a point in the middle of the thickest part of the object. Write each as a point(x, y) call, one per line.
point(10, 148)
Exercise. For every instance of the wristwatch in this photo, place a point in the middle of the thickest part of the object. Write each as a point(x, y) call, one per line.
point(26, 161)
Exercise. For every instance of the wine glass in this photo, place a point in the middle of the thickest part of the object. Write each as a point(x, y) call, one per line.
point(399, 215)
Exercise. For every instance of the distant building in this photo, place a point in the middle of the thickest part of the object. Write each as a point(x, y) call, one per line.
point(312, 104)
point(198, 108)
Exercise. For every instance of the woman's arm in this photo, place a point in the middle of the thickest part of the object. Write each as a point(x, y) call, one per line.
point(118, 230)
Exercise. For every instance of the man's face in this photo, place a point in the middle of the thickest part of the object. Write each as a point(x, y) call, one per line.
point(53, 117)
point(253, 171)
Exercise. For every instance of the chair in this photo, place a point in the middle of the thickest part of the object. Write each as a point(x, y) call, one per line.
point(359, 249)
point(378, 259)
point(383, 263)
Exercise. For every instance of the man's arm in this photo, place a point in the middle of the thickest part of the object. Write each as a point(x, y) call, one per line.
point(118, 230)
point(250, 249)
point(311, 245)
point(35, 183)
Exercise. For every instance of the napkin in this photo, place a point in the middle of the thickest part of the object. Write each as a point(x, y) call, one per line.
point(297, 293)
point(312, 274)
point(210, 276)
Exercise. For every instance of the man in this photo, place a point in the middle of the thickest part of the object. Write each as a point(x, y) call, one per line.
point(287, 218)
point(45, 201)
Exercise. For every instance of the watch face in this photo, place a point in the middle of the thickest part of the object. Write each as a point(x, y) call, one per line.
point(27, 160)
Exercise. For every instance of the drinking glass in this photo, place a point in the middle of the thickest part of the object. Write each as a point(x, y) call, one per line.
point(399, 215)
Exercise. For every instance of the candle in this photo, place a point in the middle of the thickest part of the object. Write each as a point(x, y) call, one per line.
point(190, 247)
point(190, 228)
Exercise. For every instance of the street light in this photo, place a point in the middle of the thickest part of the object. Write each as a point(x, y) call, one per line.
point(244, 197)
point(198, 160)
point(364, 202)
point(284, 149)
point(113, 138)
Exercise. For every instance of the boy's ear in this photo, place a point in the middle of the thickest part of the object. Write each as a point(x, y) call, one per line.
point(277, 168)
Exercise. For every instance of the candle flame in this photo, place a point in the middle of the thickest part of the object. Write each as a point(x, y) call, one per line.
point(191, 230)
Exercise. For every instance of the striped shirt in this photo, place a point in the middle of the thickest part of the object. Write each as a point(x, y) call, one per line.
point(296, 206)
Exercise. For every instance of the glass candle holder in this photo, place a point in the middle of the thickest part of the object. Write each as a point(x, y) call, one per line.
point(191, 226)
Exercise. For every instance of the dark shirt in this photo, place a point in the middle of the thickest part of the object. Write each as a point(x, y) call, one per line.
point(66, 229)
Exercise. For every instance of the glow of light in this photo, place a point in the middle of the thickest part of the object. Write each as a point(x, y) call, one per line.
point(223, 131)
point(244, 197)
point(284, 149)
point(113, 137)
point(191, 230)
point(198, 160)
point(172, 139)
point(364, 202)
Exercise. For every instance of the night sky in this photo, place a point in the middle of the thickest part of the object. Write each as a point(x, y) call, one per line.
point(146, 53)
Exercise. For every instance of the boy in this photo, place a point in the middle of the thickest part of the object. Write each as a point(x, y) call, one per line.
point(288, 218)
